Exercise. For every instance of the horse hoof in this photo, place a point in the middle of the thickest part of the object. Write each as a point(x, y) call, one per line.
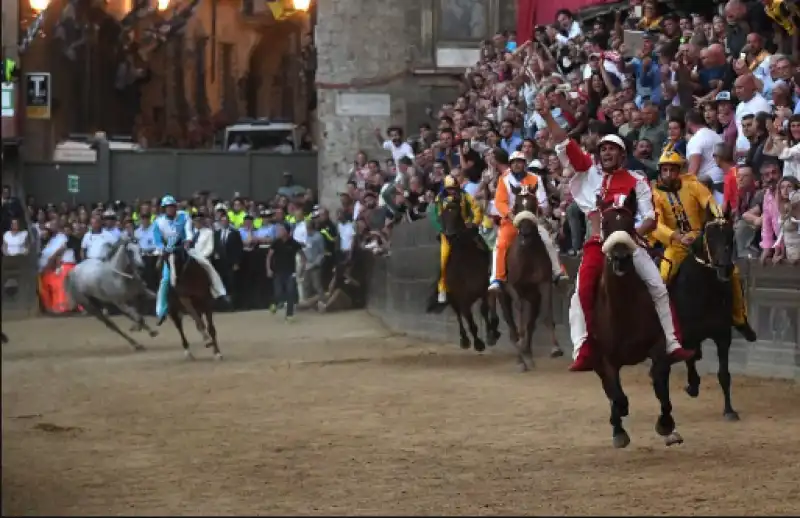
point(673, 438)
point(465, 344)
point(479, 345)
point(138, 347)
point(188, 355)
point(134, 329)
point(556, 353)
point(692, 390)
point(153, 334)
point(218, 356)
point(621, 441)
point(662, 430)
point(521, 367)
point(491, 339)
point(731, 416)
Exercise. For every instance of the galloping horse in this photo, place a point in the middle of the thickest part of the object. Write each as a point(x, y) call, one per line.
point(114, 281)
point(702, 294)
point(626, 328)
point(466, 275)
point(192, 295)
point(530, 282)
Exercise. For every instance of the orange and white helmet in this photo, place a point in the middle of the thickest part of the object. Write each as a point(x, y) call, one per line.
point(517, 155)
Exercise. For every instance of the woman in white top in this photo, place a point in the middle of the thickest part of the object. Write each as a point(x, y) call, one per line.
point(15, 241)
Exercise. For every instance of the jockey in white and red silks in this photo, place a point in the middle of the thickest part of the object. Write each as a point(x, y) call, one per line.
point(609, 179)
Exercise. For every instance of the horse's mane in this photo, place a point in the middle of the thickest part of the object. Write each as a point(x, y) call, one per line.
point(114, 247)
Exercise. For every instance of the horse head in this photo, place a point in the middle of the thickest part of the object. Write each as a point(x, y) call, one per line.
point(124, 253)
point(525, 209)
point(716, 241)
point(617, 226)
point(453, 222)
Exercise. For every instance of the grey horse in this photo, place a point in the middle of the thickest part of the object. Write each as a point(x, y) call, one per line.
point(114, 281)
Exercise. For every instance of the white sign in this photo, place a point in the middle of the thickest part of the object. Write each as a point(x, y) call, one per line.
point(457, 58)
point(8, 99)
point(363, 105)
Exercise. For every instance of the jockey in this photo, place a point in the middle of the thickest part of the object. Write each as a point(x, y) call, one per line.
point(517, 176)
point(171, 230)
point(680, 204)
point(608, 179)
point(470, 211)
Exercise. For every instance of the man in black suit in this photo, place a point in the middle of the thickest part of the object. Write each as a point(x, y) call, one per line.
point(11, 209)
point(228, 249)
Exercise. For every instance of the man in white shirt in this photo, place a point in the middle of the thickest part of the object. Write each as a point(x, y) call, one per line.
point(700, 152)
point(395, 144)
point(567, 25)
point(97, 242)
point(750, 103)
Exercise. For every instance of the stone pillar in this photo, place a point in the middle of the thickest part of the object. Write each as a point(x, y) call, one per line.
point(362, 47)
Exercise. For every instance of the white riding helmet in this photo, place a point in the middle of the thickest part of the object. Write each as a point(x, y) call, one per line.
point(613, 139)
point(517, 155)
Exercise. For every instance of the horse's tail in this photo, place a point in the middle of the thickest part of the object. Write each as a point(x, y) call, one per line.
point(71, 290)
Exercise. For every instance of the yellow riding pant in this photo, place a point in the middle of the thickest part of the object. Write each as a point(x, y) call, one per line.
point(675, 254)
point(445, 255)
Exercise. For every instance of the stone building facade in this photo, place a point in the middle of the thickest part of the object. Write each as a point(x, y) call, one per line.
point(405, 56)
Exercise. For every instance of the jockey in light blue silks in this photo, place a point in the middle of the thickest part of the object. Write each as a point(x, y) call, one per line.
point(171, 230)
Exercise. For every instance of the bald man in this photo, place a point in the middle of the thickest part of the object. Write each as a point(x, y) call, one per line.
point(716, 74)
point(758, 59)
point(750, 103)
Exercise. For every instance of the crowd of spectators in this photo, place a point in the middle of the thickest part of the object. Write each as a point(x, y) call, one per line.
point(249, 236)
point(712, 87)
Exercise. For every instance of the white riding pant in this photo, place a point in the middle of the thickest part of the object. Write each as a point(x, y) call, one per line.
point(217, 287)
point(549, 245)
point(648, 272)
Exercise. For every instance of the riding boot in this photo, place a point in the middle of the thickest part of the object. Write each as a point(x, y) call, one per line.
point(161, 296)
point(582, 307)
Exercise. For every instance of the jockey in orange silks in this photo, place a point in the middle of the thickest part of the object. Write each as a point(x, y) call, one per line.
point(609, 180)
point(517, 177)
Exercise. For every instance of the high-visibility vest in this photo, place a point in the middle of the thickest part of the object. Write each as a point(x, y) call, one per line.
point(9, 68)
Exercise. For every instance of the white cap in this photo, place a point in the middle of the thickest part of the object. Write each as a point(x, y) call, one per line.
point(613, 139)
point(535, 164)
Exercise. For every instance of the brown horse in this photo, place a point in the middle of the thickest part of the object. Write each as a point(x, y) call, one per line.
point(530, 282)
point(626, 329)
point(192, 296)
point(467, 274)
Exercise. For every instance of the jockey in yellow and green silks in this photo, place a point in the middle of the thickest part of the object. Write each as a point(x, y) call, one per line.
point(470, 211)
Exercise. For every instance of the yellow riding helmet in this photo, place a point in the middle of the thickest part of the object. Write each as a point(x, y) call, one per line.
point(450, 182)
point(671, 157)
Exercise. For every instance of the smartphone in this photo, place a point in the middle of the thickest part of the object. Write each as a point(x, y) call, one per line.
point(563, 88)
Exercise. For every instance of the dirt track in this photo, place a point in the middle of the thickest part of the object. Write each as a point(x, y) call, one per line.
point(331, 414)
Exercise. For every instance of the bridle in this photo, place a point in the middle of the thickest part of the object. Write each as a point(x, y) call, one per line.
point(718, 221)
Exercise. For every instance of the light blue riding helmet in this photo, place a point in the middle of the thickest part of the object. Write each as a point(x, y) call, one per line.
point(168, 200)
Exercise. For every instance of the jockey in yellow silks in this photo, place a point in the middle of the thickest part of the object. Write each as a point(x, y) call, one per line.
point(470, 211)
point(680, 204)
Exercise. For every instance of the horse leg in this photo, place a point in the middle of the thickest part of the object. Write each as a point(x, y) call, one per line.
point(609, 376)
point(549, 319)
point(506, 306)
point(138, 319)
point(529, 311)
point(465, 343)
point(692, 377)
point(98, 313)
point(724, 376)
point(175, 315)
point(489, 315)
point(665, 424)
point(212, 331)
point(186, 302)
point(473, 328)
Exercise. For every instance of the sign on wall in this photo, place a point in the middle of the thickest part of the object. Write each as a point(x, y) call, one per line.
point(363, 105)
point(37, 95)
point(73, 184)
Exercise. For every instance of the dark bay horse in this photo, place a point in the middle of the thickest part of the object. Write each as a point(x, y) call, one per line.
point(702, 293)
point(529, 287)
point(191, 295)
point(467, 274)
point(626, 329)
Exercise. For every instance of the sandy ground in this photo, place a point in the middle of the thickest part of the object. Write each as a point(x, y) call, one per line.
point(332, 414)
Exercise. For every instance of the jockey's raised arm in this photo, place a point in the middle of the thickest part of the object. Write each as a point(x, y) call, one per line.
point(578, 159)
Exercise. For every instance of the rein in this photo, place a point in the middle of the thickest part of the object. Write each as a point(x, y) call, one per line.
point(707, 262)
